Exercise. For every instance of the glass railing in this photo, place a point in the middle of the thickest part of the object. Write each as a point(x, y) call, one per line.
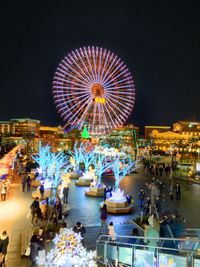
point(143, 252)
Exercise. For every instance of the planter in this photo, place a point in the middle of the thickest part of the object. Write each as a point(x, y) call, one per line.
point(117, 207)
point(84, 182)
point(95, 192)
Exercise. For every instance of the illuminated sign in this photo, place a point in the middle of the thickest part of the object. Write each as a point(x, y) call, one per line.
point(101, 100)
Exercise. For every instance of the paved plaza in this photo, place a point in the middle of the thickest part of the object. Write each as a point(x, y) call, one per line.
point(86, 209)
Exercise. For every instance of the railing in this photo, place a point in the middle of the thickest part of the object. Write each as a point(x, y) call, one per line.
point(143, 252)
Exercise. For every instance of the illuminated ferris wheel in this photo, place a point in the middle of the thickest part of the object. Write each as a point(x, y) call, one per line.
point(92, 85)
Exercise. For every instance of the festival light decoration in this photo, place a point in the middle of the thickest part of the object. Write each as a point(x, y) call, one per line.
point(93, 85)
point(68, 251)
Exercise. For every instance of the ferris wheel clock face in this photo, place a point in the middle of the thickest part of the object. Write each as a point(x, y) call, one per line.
point(93, 86)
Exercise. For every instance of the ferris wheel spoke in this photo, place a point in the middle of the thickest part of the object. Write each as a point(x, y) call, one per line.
point(71, 101)
point(118, 104)
point(83, 79)
point(89, 63)
point(111, 119)
point(113, 63)
point(81, 108)
point(119, 74)
point(94, 62)
point(119, 64)
point(76, 61)
point(83, 116)
point(85, 66)
point(124, 99)
point(128, 79)
point(117, 121)
point(61, 93)
point(60, 85)
point(104, 115)
point(106, 57)
point(79, 59)
point(113, 110)
point(119, 87)
point(74, 83)
point(60, 104)
point(125, 105)
point(100, 64)
point(74, 108)
point(95, 111)
point(117, 108)
point(63, 76)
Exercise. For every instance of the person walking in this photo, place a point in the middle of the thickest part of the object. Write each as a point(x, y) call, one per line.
point(4, 241)
point(28, 183)
point(178, 191)
point(111, 231)
point(23, 183)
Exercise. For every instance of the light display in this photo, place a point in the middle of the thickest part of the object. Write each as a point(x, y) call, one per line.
point(85, 134)
point(68, 251)
point(52, 166)
point(101, 165)
point(93, 85)
point(120, 167)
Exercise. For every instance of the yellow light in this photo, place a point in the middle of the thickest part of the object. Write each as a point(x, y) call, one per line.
point(101, 100)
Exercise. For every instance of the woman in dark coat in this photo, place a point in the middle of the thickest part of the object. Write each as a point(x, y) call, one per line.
point(4, 241)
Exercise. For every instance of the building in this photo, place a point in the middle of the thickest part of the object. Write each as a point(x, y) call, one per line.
point(184, 138)
point(4, 127)
point(24, 127)
point(148, 130)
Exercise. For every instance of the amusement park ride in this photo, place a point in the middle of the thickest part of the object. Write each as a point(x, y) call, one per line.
point(93, 91)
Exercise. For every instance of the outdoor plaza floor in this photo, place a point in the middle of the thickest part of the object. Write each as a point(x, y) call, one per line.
point(86, 210)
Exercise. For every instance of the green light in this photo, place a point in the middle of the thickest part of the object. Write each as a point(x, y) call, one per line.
point(85, 134)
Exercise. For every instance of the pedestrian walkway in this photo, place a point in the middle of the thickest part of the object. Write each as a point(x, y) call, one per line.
point(13, 219)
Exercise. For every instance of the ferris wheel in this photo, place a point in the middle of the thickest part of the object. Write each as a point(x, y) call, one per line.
point(92, 85)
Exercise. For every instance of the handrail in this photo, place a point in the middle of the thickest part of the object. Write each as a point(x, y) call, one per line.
point(108, 251)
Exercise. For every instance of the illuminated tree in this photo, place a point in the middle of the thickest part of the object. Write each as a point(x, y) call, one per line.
point(101, 165)
point(121, 167)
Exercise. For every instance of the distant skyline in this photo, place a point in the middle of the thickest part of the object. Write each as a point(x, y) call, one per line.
point(159, 44)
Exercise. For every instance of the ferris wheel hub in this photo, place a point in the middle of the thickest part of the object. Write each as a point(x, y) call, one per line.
point(97, 90)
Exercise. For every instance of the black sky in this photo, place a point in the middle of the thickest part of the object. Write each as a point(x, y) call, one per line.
point(160, 43)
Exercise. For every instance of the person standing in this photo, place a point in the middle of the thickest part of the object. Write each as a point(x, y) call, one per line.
point(171, 192)
point(3, 192)
point(79, 228)
point(65, 194)
point(4, 241)
point(111, 231)
point(103, 218)
point(35, 207)
point(178, 191)
point(41, 191)
point(34, 249)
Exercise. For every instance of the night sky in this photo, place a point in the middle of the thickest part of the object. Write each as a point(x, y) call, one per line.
point(160, 44)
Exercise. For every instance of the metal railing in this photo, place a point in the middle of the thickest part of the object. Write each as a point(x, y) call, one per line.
point(141, 251)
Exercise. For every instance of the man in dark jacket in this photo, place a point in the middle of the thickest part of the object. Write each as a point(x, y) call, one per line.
point(79, 228)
